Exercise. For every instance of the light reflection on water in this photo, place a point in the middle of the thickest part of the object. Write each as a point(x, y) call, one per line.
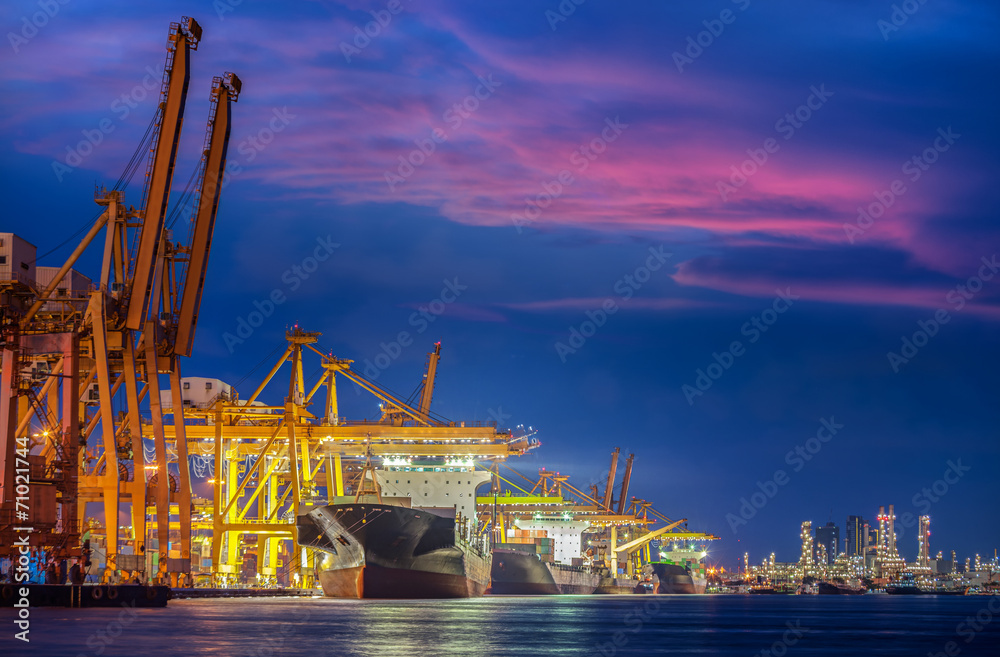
point(504, 626)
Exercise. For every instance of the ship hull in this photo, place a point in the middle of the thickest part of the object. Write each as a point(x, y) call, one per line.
point(522, 573)
point(913, 590)
point(615, 586)
point(827, 588)
point(384, 551)
point(675, 579)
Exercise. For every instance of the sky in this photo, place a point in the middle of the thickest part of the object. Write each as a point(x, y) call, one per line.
point(755, 244)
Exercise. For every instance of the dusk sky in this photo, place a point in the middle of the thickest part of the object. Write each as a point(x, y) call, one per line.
point(700, 233)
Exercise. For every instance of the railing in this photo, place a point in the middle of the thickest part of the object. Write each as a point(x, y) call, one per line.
point(9, 274)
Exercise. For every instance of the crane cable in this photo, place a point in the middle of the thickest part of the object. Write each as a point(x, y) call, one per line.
point(189, 189)
point(136, 159)
point(125, 176)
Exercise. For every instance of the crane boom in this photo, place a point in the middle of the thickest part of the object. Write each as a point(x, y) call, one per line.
point(645, 538)
point(625, 482)
point(184, 38)
point(610, 486)
point(225, 90)
point(428, 392)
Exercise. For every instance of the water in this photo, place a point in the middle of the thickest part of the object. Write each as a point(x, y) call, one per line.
point(531, 627)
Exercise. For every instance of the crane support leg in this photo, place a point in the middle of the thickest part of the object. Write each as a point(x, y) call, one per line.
point(183, 467)
point(8, 419)
point(162, 473)
point(110, 479)
point(71, 437)
point(137, 486)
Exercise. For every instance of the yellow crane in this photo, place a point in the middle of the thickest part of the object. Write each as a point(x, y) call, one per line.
point(136, 325)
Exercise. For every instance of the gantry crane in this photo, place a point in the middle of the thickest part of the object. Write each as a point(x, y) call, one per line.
point(553, 497)
point(273, 463)
point(138, 323)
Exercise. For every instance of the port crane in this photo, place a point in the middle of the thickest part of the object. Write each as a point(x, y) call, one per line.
point(135, 326)
point(553, 497)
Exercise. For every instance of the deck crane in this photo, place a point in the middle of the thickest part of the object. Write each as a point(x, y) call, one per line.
point(623, 498)
point(609, 487)
point(428, 383)
point(399, 413)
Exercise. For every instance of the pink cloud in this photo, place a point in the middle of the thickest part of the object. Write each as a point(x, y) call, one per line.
point(354, 121)
point(590, 303)
point(834, 291)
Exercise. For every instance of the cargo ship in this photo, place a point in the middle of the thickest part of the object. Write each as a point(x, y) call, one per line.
point(835, 588)
point(391, 551)
point(541, 553)
point(381, 544)
point(518, 570)
point(679, 570)
point(907, 585)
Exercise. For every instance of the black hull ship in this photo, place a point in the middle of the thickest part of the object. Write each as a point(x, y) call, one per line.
point(673, 578)
point(387, 551)
point(518, 572)
point(832, 588)
point(907, 585)
point(915, 590)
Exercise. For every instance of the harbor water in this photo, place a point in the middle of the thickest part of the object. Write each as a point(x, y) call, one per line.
point(608, 626)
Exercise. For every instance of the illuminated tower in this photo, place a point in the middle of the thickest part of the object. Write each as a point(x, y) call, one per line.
point(924, 542)
point(888, 556)
point(855, 543)
point(882, 548)
point(806, 562)
point(891, 538)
